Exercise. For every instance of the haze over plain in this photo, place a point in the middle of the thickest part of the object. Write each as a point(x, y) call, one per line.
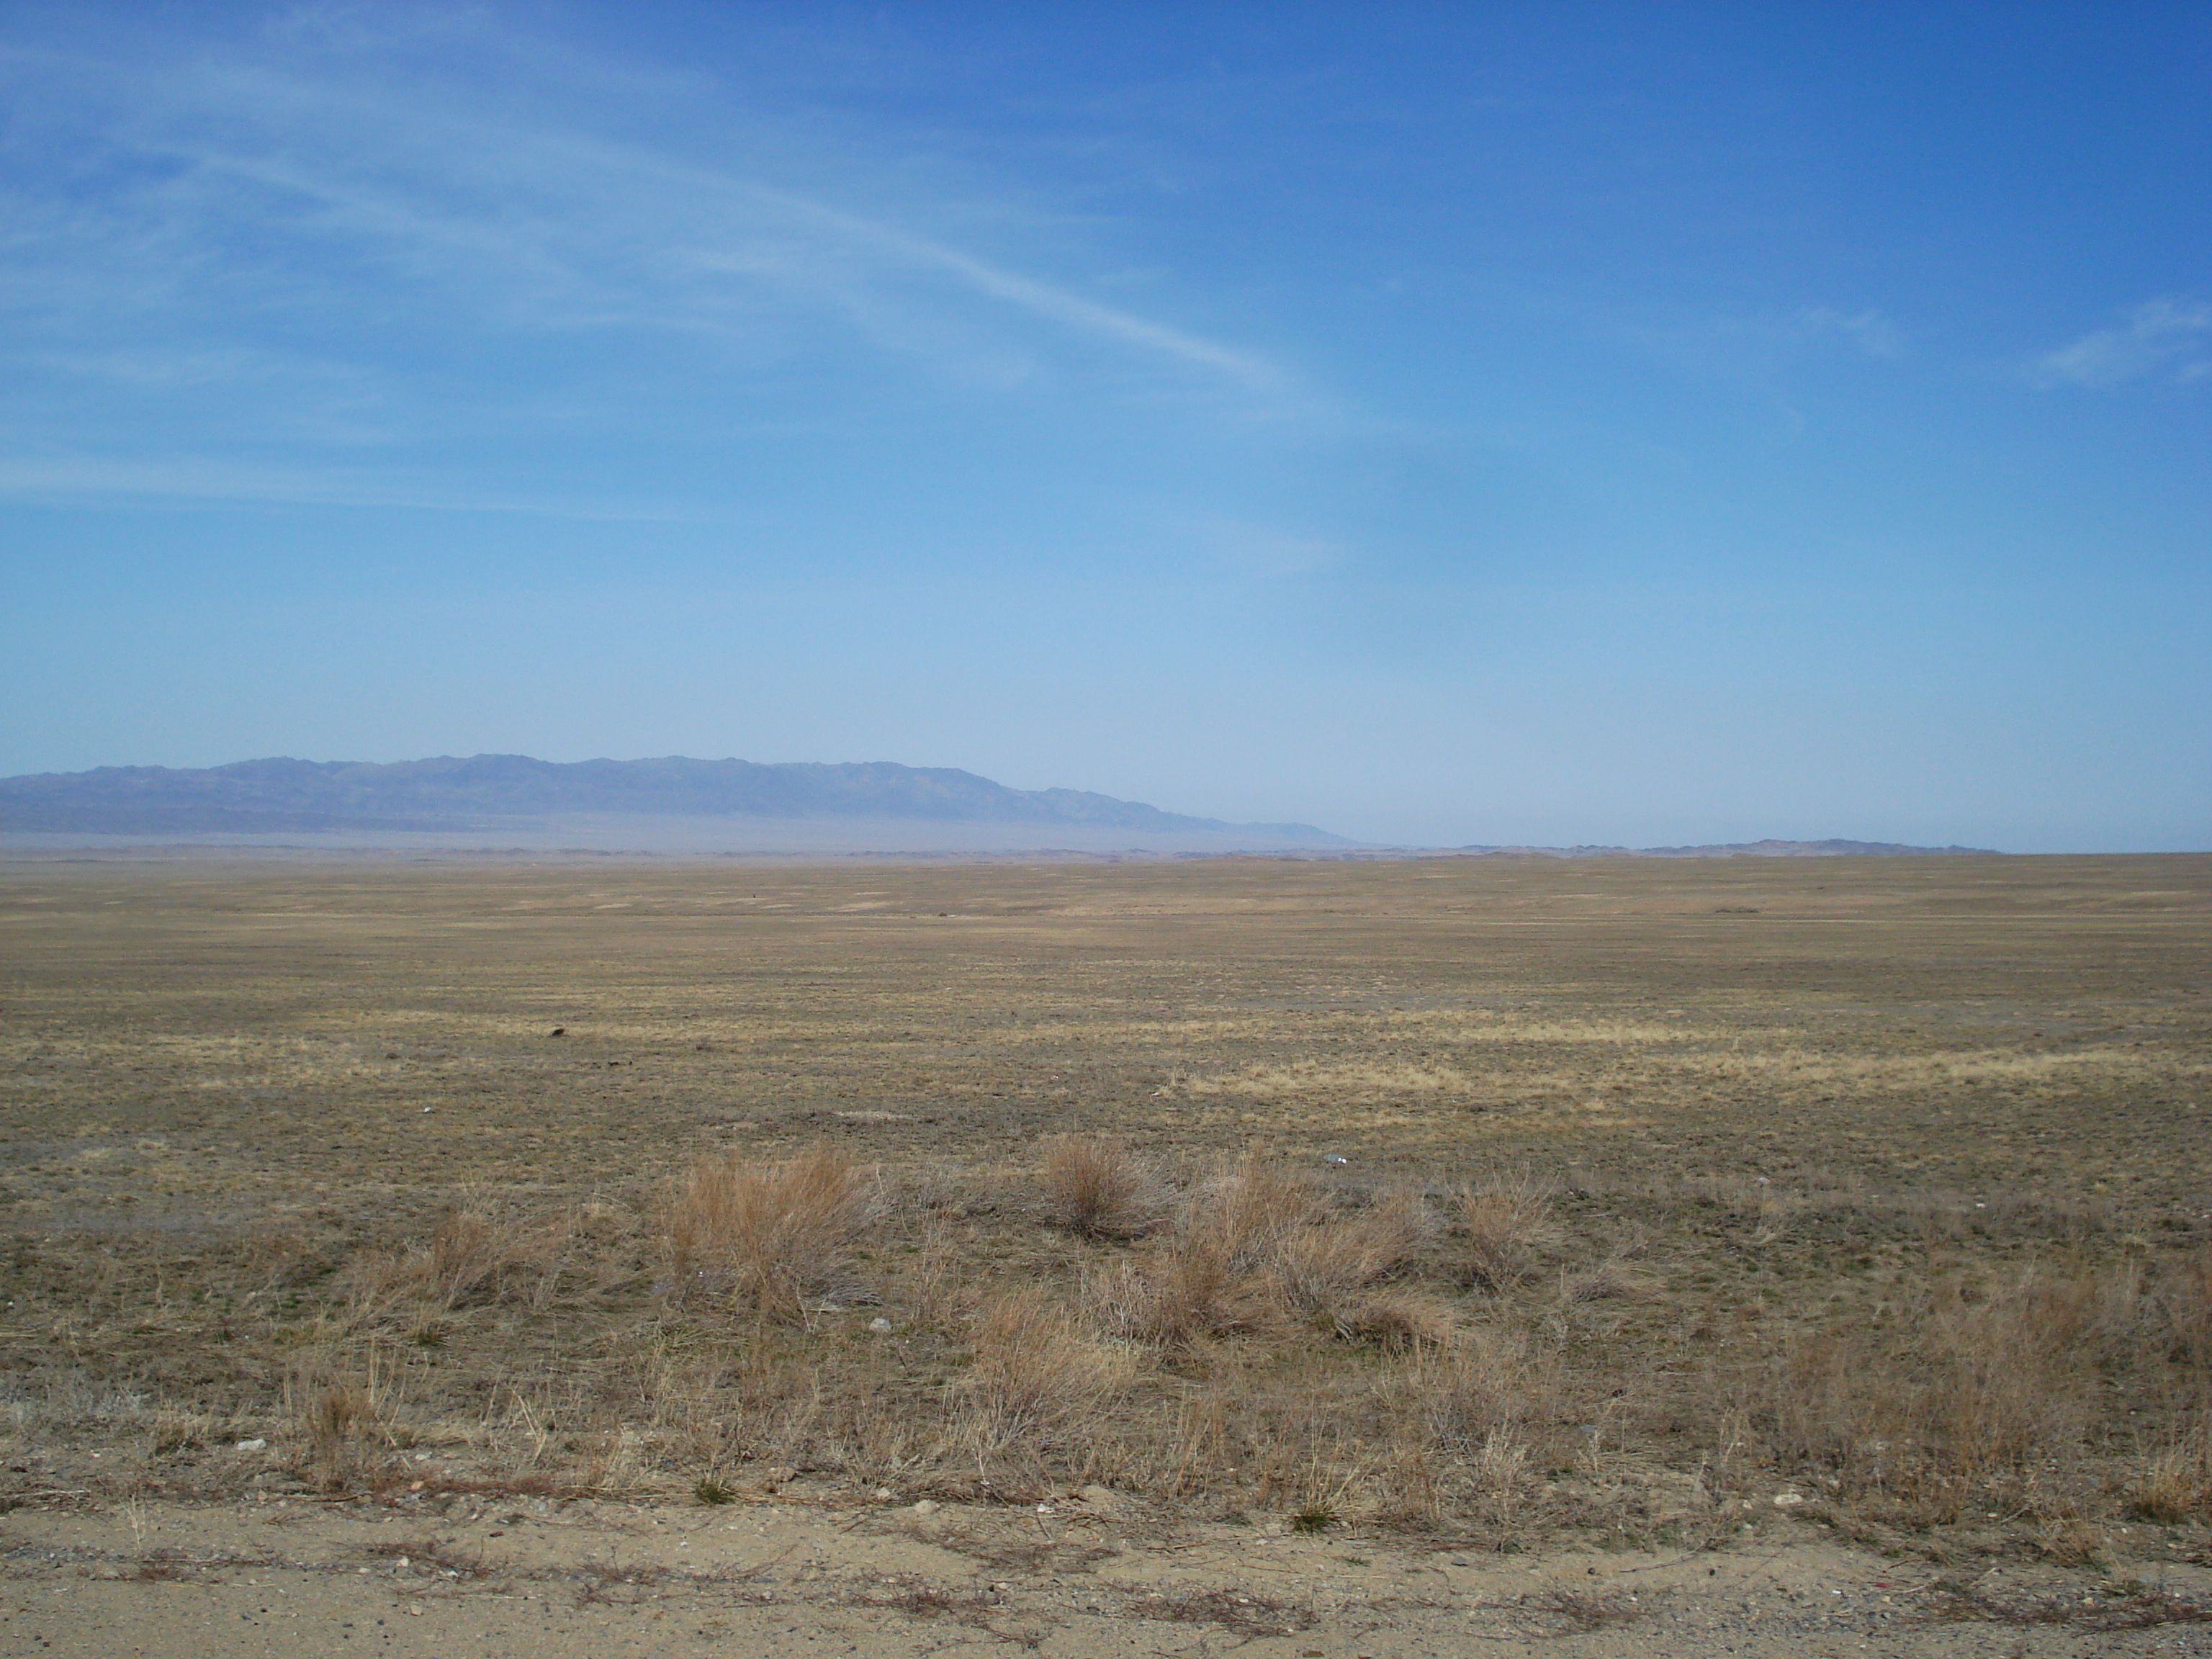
point(1443, 425)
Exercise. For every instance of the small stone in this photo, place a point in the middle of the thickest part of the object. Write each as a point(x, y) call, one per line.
point(885, 1494)
point(1788, 1500)
point(925, 1507)
point(254, 1445)
point(880, 1326)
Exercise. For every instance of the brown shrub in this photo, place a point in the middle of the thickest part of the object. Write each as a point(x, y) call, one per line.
point(1395, 1320)
point(1462, 1412)
point(469, 1257)
point(1254, 1246)
point(1468, 1393)
point(1038, 1374)
point(1097, 1186)
point(1986, 1380)
point(329, 1411)
point(1242, 1216)
point(1207, 1278)
point(1610, 1281)
point(2174, 1483)
point(1504, 1219)
point(2016, 1372)
point(1176, 1295)
point(768, 1236)
point(2184, 1298)
point(1320, 1266)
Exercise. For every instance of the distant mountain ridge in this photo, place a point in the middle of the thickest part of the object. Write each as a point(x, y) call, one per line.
point(445, 793)
point(1772, 849)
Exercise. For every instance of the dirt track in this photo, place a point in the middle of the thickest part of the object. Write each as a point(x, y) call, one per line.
point(1088, 1578)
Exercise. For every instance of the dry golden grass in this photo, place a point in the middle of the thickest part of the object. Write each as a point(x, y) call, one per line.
point(767, 1238)
point(1037, 1373)
point(332, 1411)
point(1323, 1268)
point(1095, 1185)
point(2174, 1482)
point(1258, 1245)
point(1506, 1219)
point(1395, 1320)
point(468, 1257)
point(1652, 1208)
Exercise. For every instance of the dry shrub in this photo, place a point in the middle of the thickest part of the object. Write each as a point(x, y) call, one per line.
point(472, 1256)
point(1242, 1215)
point(2071, 1540)
point(1097, 1186)
point(1462, 1411)
point(1320, 1266)
point(1256, 1245)
point(934, 1278)
point(2175, 1482)
point(1173, 1296)
point(1504, 1219)
point(469, 1257)
point(1208, 1278)
point(1988, 1381)
point(1395, 1321)
point(768, 1236)
point(1468, 1393)
point(329, 1411)
point(1610, 1281)
point(1839, 1402)
point(2015, 1373)
point(1038, 1374)
point(2184, 1299)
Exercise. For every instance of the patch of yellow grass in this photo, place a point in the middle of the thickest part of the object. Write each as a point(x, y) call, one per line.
point(1359, 1081)
point(767, 1236)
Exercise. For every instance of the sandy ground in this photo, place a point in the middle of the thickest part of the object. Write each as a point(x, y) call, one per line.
point(1083, 1575)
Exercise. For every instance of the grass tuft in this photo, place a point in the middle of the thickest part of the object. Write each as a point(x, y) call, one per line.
point(1095, 1185)
point(767, 1237)
point(1038, 1374)
point(1505, 1221)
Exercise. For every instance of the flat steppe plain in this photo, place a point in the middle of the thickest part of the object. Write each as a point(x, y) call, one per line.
point(1668, 1189)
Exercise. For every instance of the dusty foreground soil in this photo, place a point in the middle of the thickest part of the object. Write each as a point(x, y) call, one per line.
point(1082, 1576)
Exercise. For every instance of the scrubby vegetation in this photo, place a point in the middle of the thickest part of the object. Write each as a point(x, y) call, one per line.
point(1546, 1298)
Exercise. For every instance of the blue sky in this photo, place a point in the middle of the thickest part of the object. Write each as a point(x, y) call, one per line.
point(1444, 424)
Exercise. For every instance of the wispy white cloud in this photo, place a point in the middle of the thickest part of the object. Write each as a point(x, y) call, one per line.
point(2165, 338)
point(1759, 346)
point(330, 233)
point(1058, 304)
point(211, 477)
point(1870, 331)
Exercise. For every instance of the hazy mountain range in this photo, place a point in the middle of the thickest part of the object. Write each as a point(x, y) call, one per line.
point(1772, 849)
point(490, 793)
point(488, 802)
